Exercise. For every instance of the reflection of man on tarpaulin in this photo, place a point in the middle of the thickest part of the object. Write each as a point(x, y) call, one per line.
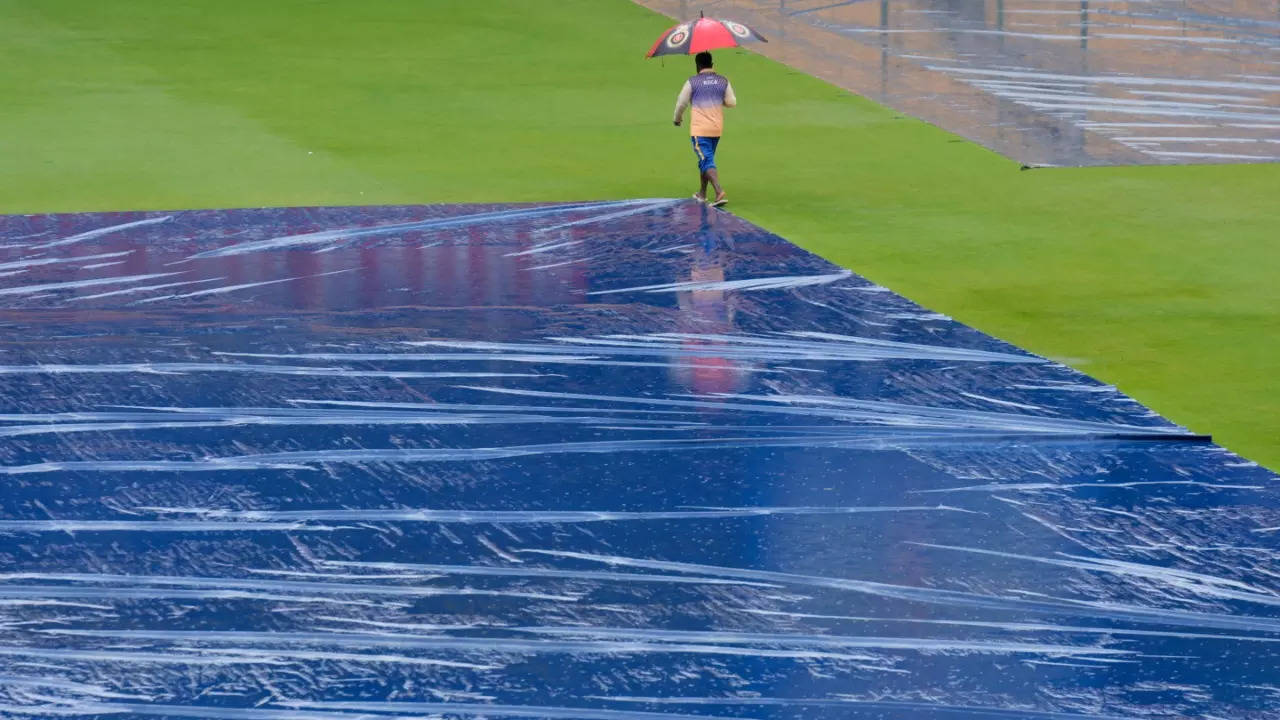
point(707, 311)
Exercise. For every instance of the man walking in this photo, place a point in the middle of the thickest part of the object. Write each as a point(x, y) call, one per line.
point(708, 93)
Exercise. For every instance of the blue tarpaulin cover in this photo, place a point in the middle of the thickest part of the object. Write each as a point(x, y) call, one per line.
point(630, 460)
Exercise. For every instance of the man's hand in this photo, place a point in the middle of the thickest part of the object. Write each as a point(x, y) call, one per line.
point(676, 122)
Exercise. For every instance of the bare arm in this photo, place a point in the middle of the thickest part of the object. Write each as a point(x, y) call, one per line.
point(682, 102)
point(730, 100)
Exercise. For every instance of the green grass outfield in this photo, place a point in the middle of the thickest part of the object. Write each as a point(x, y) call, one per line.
point(1161, 280)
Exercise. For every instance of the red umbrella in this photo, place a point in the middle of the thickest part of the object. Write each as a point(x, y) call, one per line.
point(702, 34)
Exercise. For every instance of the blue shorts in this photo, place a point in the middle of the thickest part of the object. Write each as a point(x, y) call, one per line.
point(705, 149)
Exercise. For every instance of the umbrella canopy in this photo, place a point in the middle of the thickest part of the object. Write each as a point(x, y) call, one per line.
point(702, 34)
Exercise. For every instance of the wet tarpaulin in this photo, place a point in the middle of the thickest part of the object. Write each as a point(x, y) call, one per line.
point(631, 460)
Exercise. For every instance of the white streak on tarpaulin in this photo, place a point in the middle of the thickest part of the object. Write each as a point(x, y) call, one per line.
point(548, 358)
point(182, 368)
point(1068, 387)
point(443, 407)
point(547, 247)
point(266, 641)
point(103, 585)
point(901, 431)
point(70, 285)
point(782, 282)
point(1004, 403)
point(1183, 579)
point(419, 357)
point(469, 517)
point(89, 235)
point(615, 215)
point(874, 412)
point(934, 596)
point(853, 703)
point(827, 641)
point(303, 459)
point(1020, 626)
point(36, 262)
point(342, 413)
point(265, 419)
point(792, 346)
point(533, 572)
point(561, 640)
point(1032, 487)
point(147, 288)
point(160, 526)
point(242, 286)
point(229, 656)
point(956, 418)
point(328, 236)
point(40, 595)
point(62, 684)
point(558, 264)
point(213, 520)
point(309, 710)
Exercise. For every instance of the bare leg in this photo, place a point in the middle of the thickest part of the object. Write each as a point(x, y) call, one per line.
point(702, 193)
point(713, 176)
